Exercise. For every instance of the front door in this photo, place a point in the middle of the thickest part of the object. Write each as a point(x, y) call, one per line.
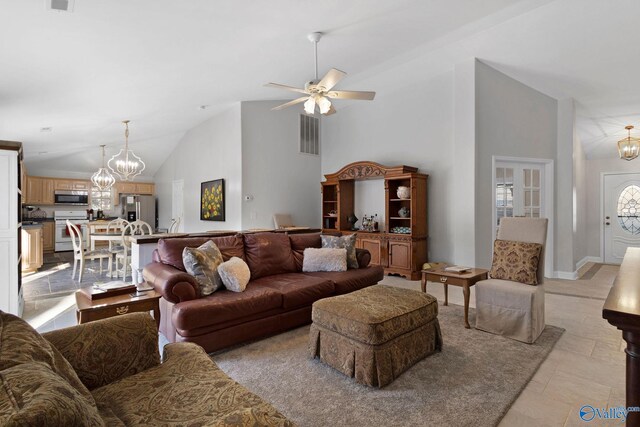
point(621, 215)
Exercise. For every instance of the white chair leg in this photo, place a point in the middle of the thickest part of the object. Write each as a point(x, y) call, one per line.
point(81, 269)
point(100, 265)
point(75, 265)
point(110, 266)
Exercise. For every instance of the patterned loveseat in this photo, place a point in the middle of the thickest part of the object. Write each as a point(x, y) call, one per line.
point(109, 373)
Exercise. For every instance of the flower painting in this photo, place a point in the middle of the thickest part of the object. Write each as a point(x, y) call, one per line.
point(212, 200)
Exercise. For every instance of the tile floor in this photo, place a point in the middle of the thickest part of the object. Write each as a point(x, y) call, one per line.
point(587, 365)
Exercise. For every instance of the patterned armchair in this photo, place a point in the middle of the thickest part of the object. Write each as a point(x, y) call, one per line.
point(108, 372)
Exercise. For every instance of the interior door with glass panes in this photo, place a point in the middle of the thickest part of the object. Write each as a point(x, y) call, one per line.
point(518, 191)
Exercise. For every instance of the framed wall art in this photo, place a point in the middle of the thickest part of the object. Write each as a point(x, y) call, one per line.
point(212, 200)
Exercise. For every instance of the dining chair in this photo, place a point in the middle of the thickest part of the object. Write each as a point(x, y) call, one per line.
point(80, 254)
point(507, 307)
point(135, 228)
point(175, 224)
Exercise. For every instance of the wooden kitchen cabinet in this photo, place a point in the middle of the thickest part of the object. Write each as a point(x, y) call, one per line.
point(39, 191)
point(140, 188)
point(31, 248)
point(70, 184)
point(48, 236)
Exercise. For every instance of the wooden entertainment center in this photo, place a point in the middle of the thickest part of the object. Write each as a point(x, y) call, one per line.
point(398, 253)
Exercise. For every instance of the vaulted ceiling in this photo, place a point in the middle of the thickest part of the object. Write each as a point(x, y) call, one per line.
point(156, 62)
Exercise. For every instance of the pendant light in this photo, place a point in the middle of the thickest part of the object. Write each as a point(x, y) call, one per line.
point(629, 147)
point(102, 179)
point(126, 164)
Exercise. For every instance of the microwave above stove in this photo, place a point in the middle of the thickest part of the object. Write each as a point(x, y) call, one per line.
point(71, 197)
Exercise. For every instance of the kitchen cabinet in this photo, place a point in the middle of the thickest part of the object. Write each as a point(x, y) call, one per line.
point(69, 184)
point(39, 191)
point(139, 188)
point(48, 236)
point(31, 248)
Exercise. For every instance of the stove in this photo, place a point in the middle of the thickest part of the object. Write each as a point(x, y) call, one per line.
point(62, 237)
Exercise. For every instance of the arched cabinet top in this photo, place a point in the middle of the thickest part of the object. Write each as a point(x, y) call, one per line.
point(368, 170)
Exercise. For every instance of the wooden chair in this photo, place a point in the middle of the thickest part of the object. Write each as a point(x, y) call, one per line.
point(80, 254)
point(175, 224)
point(135, 228)
point(514, 309)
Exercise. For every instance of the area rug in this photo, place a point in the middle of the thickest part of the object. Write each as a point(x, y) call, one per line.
point(472, 382)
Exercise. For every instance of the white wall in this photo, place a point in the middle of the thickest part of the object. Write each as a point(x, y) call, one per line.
point(406, 125)
point(580, 210)
point(369, 200)
point(513, 120)
point(278, 177)
point(209, 151)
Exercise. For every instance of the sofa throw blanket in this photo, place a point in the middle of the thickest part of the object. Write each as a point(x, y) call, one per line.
point(324, 259)
point(202, 263)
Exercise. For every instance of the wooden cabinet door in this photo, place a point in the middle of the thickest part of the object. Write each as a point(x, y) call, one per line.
point(48, 242)
point(63, 184)
point(399, 254)
point(48, 186)
point(81, 185)
point(31, 249)
point(144, 188)
point(374, 246)
point(34, 190)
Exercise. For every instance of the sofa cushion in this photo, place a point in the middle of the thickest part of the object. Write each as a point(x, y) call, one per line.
point(297, 289)
point(348, 242)
point(21, 344)
point(224, 306)
point(235, 274)
point(268, 253)
point(324, 259)
point(351, 280)
point(170, 250)
point(31, 394)
point(202, 263)
point(300, 242)
point(187, 389)
point(515, 261)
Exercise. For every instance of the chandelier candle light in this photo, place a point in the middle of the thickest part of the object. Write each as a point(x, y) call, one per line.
point(126, 164)
point(629, 147)
point(102, 179)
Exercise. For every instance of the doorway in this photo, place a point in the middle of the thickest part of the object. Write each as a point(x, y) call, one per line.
point(523, 187)
point(621, 212)
point(177, 204)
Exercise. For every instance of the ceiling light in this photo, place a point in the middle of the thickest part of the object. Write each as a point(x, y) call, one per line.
point(103, 178)
point(324, 104)
point(126, 164)
point(310, 105)
point(629, 147)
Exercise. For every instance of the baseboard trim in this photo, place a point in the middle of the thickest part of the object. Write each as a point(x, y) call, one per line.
point(566, 275)
point(587, 259)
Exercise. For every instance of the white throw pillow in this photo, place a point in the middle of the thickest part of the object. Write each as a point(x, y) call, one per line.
point(324, 259)
point(235, 274)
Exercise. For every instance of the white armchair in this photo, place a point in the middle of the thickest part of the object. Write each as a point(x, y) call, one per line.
point(514, 309)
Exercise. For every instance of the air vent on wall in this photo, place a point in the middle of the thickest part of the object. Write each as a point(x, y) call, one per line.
point(59, 5)
point(309, 135)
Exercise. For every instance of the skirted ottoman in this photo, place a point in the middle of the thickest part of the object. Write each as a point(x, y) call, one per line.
point(376, 333)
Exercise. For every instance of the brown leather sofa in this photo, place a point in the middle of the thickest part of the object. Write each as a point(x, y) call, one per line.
point(278, 297)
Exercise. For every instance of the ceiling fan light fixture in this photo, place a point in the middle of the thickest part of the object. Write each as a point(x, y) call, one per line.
point(629, 147)
point(310, 105)
point(324, 104)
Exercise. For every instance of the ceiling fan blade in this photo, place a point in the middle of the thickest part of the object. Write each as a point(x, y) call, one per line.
point(290, 103)
point(351, 94)
point(285, 87)
point(331, 79)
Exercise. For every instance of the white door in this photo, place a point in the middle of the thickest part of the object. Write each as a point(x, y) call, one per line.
point(177, 204)
point(621, 215)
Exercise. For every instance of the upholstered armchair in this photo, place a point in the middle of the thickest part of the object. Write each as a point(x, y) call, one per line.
point(508, 307)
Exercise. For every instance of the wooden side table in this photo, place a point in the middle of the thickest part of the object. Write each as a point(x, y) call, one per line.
point(89, 310)
point(464, 280)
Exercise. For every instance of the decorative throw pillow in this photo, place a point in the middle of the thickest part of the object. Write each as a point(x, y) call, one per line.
point(235, 274)
point(325, 259)
point(516, 261)
point(346, 242)
point(202, 263)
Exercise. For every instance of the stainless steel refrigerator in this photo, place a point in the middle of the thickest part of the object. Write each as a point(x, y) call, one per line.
point(139, 207)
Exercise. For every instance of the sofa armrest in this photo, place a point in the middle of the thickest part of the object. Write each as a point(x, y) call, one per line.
point(364, 257)
point(104, 351)
point(174, 285)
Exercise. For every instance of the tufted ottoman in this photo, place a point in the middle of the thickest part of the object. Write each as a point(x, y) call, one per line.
point(376, 333)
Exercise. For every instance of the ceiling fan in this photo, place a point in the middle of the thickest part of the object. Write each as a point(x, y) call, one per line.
point(318, 92)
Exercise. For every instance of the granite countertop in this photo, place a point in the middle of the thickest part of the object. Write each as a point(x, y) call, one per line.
point(26, 220)
point(29, 226)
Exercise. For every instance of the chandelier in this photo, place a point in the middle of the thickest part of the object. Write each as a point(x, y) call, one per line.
point(102, 179)
point(126, 164)
point(629, 147)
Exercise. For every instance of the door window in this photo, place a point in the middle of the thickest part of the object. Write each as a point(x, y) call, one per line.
point(628, 209)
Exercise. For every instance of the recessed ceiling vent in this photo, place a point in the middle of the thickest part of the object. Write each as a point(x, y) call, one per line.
point(59, 5)
point(309, 135)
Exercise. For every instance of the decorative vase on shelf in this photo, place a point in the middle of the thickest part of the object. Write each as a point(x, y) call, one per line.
point(403, 212)
point(403, 192)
